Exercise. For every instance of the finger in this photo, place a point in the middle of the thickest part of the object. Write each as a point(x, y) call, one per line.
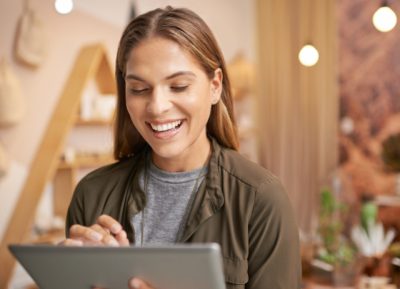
point(84, 233)
point(122, 238)
point(109, 223)
point(99, 229)
point(71, 242)
point(109, 240)
point(136, 283)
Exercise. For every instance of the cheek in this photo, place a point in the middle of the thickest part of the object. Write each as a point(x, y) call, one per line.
point(134, 110)
point(200, 99)
point(200, 107)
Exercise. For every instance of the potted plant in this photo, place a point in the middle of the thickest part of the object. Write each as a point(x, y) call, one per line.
point(372, 243)
point(336, 250)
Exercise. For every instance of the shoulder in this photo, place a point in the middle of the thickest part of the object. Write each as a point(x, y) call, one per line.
point(266, 188)
point(250, 173)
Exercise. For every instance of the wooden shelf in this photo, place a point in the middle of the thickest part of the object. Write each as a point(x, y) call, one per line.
point(93, 122)
point(87, 161)
point(66, 178)
point(391, 201)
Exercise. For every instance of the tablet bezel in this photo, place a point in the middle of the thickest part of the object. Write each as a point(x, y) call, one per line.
point(195, 266)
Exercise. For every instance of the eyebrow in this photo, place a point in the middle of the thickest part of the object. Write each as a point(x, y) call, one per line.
point(176, 74)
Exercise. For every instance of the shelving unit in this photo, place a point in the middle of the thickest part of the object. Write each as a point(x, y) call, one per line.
point(91, 63)
point(66, 178)
point(93, 122)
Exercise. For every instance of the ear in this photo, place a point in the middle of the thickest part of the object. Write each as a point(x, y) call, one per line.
point(216, 86)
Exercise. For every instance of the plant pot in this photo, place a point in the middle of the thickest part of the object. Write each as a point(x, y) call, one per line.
point(376, 266)
point(346, 274)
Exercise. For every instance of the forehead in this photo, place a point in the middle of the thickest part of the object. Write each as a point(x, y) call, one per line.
point(158, 55)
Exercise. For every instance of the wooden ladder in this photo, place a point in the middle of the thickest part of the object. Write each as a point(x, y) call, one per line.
point(92, 62)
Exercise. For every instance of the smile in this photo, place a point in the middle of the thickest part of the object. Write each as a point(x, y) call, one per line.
point(166, 126)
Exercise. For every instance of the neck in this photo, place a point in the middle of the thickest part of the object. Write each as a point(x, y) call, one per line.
point(186, 161)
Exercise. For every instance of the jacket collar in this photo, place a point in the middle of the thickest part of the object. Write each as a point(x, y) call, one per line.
point(208, 200)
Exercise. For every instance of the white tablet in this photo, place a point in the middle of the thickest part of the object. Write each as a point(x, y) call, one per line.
point(197, 266)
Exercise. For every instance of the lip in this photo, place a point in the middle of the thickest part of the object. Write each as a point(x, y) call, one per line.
point(165, 135)
point(160, 122)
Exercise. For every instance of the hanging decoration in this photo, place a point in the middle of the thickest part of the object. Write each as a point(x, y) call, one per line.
point(242, 76)
point(308, 55)
point(384, 19)
point(64, 6)
point(4, 162)
point(132, 10)
point(30, 38)
point(12, 105)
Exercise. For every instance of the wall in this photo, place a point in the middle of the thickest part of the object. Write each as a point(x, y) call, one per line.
point(369, 97)
point(232, 21)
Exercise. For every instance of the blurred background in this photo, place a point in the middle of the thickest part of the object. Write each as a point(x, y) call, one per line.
point(317, 100)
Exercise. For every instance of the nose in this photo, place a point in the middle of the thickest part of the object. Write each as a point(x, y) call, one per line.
point(159, 102)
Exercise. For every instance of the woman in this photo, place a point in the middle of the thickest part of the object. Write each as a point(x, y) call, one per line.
point(178, 177)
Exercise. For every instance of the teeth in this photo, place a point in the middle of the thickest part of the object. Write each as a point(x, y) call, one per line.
point(165, 126)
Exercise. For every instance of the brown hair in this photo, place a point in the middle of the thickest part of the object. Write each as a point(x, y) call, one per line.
point(188, 30)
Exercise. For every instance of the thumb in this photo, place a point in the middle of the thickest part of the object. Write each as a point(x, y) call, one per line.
point(136, 283)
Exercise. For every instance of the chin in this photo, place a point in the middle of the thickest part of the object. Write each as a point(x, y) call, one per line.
point(169, 151)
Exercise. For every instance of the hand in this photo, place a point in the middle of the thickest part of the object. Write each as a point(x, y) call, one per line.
point(106, 232)
point(134, 283)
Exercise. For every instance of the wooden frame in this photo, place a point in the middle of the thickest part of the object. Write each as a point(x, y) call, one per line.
point(91, 63)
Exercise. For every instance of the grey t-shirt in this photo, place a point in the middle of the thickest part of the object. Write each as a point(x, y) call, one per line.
point(169, 197)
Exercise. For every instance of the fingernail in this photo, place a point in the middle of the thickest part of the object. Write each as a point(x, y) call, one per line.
point(78, 243)
point(96, 236)
point(115, 228)
point(113, 243)
point(123, 234)
point(135, 284)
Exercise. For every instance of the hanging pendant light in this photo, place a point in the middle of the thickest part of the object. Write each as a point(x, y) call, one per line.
point(64, 6)
point(308, 55)
point(384, 19)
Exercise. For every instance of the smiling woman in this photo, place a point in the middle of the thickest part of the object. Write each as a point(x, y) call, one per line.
point(178, 178)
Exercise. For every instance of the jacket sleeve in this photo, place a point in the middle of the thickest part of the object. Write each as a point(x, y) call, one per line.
point(75, 214)
point(274, 253)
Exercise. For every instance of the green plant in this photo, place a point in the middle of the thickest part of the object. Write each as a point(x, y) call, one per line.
point(336, 249)
point(370, 236)
point(369, 215)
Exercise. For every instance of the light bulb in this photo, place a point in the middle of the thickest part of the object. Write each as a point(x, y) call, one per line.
point(347, 125)
point(384, 19)
point(64, 6)
point(308, 55)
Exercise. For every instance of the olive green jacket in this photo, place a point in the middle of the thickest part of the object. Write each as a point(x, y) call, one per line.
point(240, 205)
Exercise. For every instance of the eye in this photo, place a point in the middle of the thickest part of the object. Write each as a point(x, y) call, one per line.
point(138, 91)
point(179, 88)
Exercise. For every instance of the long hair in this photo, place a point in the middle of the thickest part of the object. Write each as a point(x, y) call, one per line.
point(191, 33)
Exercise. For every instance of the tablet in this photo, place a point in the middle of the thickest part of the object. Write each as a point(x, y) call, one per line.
point(194, 266)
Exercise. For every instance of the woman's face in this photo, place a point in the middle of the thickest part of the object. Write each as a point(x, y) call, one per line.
point(169, 99)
